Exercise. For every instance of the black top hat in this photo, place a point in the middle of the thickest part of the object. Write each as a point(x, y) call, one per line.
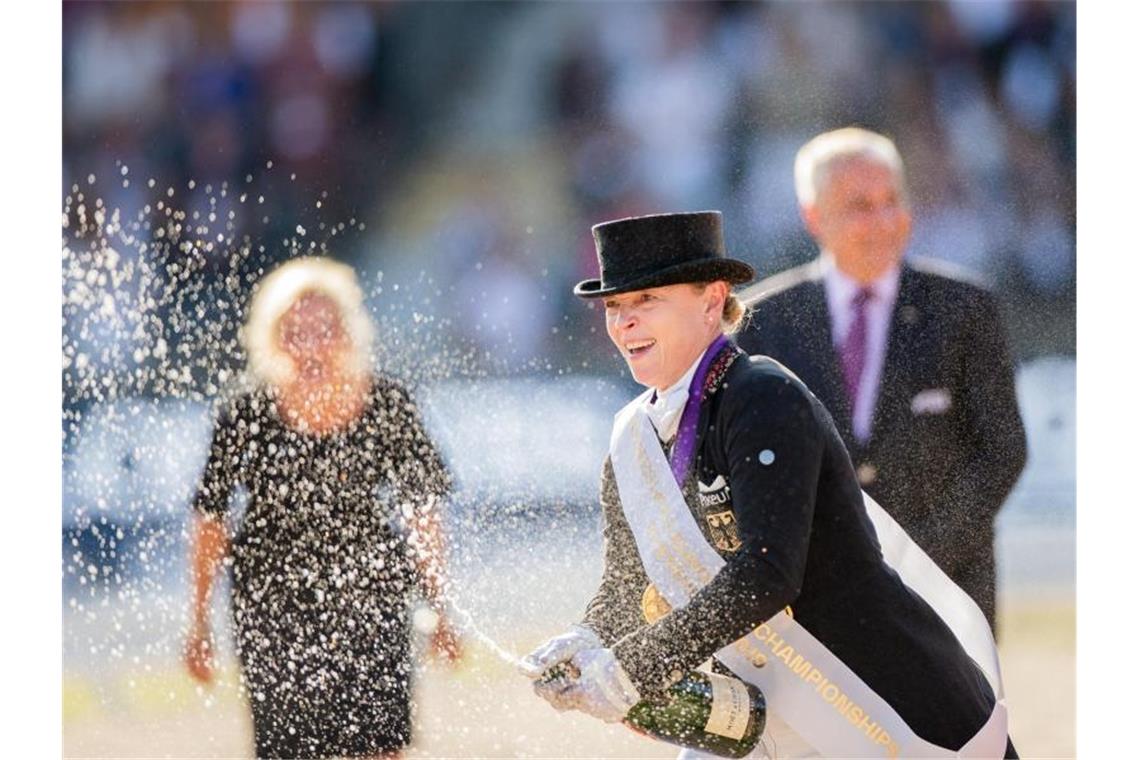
point(661, 249)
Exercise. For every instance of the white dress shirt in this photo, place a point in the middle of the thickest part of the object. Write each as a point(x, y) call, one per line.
point(841, 290)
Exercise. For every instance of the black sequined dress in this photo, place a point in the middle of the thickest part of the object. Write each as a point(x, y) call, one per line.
point(322, 570)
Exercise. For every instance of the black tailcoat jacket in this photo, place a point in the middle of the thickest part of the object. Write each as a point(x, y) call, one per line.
point(947, 442)
point(773, 490)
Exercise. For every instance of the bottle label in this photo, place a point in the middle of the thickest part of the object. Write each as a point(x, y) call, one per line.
point(729, 713)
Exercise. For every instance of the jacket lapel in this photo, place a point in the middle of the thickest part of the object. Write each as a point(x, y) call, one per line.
point(817, 362)
point(718, 370)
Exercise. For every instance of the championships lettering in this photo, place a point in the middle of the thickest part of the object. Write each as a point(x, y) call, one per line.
point(812, 676)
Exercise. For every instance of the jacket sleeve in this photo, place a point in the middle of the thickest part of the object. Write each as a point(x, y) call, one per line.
point(615, 609)
point(773, 447)
point(991, 427)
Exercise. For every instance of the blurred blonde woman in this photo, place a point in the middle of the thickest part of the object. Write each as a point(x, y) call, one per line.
point(345, 489)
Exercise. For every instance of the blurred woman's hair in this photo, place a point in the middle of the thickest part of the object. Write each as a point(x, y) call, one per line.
point(822, 153)
point(276, 293)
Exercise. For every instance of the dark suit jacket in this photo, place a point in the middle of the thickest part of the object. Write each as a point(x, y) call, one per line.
point(798, 535)
point(942, 474)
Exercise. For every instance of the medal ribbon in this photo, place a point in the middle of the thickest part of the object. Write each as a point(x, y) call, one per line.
point(685, 447)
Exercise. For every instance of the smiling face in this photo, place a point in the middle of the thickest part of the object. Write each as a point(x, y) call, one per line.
point(660, 332)
point(861, 217)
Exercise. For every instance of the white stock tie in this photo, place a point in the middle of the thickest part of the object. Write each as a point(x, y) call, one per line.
point(665, 412)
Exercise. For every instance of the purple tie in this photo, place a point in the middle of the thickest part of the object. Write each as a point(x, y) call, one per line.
point(854, 350)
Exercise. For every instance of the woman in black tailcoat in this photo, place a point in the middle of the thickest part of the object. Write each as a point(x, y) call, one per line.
point(762, 472)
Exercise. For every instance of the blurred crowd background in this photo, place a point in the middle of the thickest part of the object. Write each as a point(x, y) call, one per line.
point(469, 146)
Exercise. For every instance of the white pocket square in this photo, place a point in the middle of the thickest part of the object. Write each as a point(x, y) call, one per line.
point(931, 401)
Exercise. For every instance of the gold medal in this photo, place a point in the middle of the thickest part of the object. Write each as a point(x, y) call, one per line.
point(653, 605)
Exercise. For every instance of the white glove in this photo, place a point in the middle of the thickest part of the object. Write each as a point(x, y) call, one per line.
point(603, 688)
point(558, 649)
point(556, 690)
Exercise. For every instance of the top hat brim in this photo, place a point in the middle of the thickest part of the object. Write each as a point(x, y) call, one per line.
point(702, 270)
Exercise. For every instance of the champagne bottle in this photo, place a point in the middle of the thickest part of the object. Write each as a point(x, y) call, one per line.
point(705, 711)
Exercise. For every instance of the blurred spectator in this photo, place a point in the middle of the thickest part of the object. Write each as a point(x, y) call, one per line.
point(345, 499)
point(910, 359)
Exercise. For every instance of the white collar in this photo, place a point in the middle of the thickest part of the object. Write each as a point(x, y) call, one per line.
point(667, 406)
point(841, 288)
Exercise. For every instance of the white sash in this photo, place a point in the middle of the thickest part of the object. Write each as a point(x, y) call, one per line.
point(804, 684)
